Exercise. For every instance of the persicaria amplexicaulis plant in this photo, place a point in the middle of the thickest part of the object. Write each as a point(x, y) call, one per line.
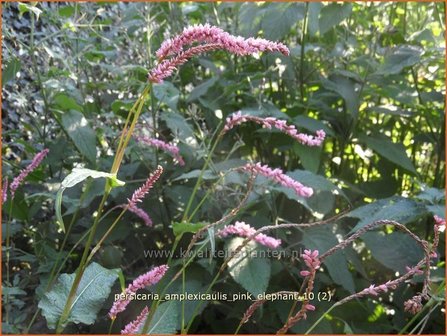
point(173, 53)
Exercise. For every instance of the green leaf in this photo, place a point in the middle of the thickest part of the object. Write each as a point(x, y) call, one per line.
point(207, 175)
point(395, 208)
point(76, 176)
point(201, 89)
point(400, 57)
point(345, 88)
point(182, 227)
point(395, 251)
point(66, 103)
point(438, 210)
point(79, 131)
point(178, 125)
point(165, 319)
point(394, 152)
point(248, 268)
point(322, 239)
point(332, 14)
point(66, 11)
point(432, 195)
point(279, 19)
point(12, 67)
point(93, 290)
point(312, 17)
point(167, 93)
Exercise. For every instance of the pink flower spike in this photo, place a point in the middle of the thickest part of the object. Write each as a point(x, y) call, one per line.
point(211, 34)
point(134, 326)
point(383, 288)
point(281, 125)
point(157, 143)
point(242, 229)
point(25, 172)
point(139, 194)
point(372, 290)
point(305, 273)
point(166, 68)
point(278, 176)
point(148, 279)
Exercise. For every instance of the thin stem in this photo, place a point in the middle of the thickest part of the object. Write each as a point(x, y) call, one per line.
point(199, 179)
point(320, 319)
point(8, 246)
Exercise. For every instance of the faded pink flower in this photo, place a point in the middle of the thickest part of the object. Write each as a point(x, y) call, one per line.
point(309, 307)
point(134, 326)
point(309, 140)
point(142, 214)
point(242, 229)
point(25, 172)
point(5, 190)
point(439, 221)
point(211, 34)
point(148, 279)
point(139, 194)
point(413, 305)
point(278, 176)
point(157, 143)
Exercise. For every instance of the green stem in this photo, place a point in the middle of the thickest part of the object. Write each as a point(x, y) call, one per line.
point(208, 193)
point(320, 319)
point(8, 246)
point(199, 179)
point(124, 140)
point(82, 265)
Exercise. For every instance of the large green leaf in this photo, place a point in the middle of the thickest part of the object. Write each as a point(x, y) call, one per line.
point(322, 239)
point(279, 18)
point(79, 131)
point(178, 124)
point(312, 17)
point(395, 208)
point(395, 251)
point(345, 88)
point(201, 89)
point(332, 14)
point(394, 152)
point(93, 290)
point(399, 58)
point(249, 268)
point(165, 319)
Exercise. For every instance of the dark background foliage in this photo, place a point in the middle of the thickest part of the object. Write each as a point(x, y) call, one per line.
point(372, 75)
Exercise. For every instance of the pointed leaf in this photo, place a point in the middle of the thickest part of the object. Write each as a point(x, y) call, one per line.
point(93, 290)
point(247, 269)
